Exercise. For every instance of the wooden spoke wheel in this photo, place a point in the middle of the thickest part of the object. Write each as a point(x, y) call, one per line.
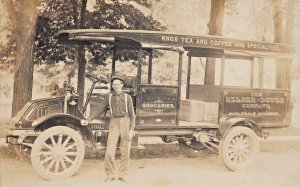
point(239, 148)
point(57, 153)
point(193, 148)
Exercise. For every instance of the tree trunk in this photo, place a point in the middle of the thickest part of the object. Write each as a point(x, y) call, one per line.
point(289, 26)
point(210, 71)
point(283, 66)
point(281, 76)
point(260, 72)
point(278, 21)
point(288, 36)
point(81, 57)
point(215, 26)
point(23, 78)
point(24, 23)
point(81, 71)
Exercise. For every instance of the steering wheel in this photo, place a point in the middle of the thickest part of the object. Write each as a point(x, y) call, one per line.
point(94, 78)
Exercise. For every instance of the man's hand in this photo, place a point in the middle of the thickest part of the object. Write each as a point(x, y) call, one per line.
point(84, 122)
point(131, 134)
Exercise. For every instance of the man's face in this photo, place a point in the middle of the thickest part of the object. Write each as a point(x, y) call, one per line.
point(117, 85)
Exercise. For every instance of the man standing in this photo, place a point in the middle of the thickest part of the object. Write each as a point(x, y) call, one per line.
point(122, 123)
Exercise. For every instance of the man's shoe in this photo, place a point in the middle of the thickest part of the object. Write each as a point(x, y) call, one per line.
point(109, 179)
point(123, 179)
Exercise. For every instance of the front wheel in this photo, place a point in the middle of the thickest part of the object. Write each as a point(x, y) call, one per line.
point(239, 148)
point(57, 153)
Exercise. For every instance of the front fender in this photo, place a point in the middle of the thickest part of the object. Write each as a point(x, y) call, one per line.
point(62, 119)
point(45, 118)
point(227, 123)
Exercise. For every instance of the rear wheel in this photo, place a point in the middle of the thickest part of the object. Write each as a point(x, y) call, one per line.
point(193, 148)
point(57, 153)
point(239, 148)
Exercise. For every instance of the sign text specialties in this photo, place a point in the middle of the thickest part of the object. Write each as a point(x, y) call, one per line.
point(222, 43)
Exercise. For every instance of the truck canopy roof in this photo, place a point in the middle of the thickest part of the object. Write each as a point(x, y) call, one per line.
point(203, 45)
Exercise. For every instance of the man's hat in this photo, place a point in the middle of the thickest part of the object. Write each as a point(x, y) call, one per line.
point(117, 78)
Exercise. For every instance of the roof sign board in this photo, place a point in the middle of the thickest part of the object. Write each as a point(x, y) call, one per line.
point(156, 38)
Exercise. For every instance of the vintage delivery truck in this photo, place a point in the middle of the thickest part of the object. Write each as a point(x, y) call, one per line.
point(220, 118)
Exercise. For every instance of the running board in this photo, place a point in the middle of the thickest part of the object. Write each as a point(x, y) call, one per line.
point(161, 132)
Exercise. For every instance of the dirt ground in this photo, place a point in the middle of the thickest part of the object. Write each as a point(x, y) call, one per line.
point(277, 166)
point(270, 169)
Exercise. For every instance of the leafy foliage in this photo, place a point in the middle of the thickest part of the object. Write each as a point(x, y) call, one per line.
point(146, 3)
point(7, 56)
point(57, 16)
point(231, 7)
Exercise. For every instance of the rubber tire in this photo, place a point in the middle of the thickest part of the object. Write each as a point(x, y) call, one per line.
point(194, 153)
point(42, 138)
point(228, 140)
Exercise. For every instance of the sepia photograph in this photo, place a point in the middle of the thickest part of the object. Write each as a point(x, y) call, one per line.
point(152, 93)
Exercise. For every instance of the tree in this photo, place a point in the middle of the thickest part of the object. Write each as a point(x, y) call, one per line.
point(80, 50)
point(278, 38)
point(23, 15)
point(283, 66)
point(288, 35)
point(281, 35)
point(262, 29)
point(215, 26)
point(56, 16)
